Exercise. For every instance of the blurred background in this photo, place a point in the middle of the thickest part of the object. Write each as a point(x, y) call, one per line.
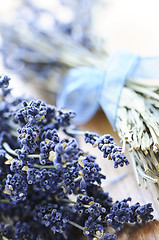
point(41, 40)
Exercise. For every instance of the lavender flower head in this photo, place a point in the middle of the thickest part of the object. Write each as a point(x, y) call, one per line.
point(40, 171)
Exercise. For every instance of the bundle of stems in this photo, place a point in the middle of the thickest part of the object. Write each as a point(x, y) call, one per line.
point(58, 56)
point(42, 54)
point(138, 126)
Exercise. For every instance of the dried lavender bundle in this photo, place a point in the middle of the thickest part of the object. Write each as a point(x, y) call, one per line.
point(138, 126)
point(131, 105)
point(49, 187)
point(45, 45)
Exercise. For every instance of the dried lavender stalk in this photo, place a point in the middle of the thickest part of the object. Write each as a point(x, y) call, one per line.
point(137, 123)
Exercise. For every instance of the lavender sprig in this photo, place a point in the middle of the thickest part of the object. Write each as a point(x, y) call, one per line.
point(106, 145)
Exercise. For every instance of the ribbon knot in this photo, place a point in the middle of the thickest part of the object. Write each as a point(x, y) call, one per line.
point(85, 89)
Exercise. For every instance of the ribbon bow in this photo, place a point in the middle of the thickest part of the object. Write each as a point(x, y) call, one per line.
point(85, 89)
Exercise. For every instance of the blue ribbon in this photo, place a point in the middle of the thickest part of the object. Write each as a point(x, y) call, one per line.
point(85, 89)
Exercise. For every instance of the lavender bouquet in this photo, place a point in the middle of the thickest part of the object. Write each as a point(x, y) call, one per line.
point(128, 92)
point(49, 186)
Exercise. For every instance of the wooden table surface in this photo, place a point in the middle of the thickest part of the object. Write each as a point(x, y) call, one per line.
point(125, 187)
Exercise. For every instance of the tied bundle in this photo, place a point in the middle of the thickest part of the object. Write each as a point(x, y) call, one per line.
point(138, 126)
point(49, 187)
point(128, 92)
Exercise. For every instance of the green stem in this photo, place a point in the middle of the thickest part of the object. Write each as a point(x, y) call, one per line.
point(8, 149)
point(33, 155)
point(65, 200)
point(76, 225)
point(4, 201)
point(77, 179)
point(7, 220)
point(43, 166)
point(144, 175)
point(135, 169)
point(7, 156)
point(73, 131)
point(11, 151)
point(4, 238)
